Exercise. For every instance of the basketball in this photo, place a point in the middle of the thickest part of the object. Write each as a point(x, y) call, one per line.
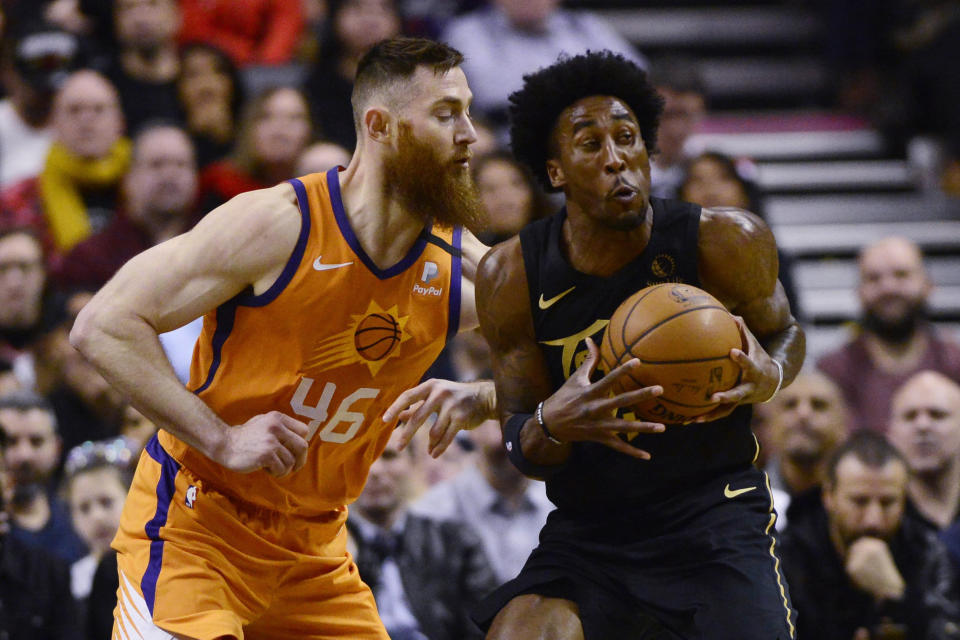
point(682, 336)
point(376, 336)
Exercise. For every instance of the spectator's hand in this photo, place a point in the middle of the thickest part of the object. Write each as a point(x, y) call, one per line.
point(271, 441)
point(457, 405)
point(585, 410)
point(871, 567)
point(758, 377)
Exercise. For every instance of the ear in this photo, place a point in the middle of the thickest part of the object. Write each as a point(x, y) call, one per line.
point(555, 173)
point(378, 124)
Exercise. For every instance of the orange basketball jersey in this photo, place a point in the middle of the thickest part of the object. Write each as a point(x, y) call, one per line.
point(333, 342)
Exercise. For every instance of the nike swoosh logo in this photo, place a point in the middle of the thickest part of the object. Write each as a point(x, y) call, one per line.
point(546, 304)
point(319, 266)
point(733, 493)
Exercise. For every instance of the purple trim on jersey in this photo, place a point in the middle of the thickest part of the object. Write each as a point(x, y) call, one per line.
point(268, 296)
point(456, 273)
point(333, 184)
point(226, 313)
point(165, 490)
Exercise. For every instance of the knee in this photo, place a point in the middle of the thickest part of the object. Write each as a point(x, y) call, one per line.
point(535, 617)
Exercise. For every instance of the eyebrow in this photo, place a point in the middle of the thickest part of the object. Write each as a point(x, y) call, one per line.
point(583, 124)
point(453, 100)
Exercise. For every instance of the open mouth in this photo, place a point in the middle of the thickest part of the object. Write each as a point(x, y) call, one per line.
point(623, 191)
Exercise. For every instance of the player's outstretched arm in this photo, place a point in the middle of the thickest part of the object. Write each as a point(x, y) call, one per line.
point(580, 409)
point(458, 405)
point(738, 264)
point(243, 244)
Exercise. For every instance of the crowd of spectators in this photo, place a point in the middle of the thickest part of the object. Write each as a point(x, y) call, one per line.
point(122, 123)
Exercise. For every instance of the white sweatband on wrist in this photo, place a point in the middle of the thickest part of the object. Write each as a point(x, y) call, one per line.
point(779, 382)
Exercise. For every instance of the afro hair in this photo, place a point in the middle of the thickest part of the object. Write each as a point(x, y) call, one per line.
point(534, 109)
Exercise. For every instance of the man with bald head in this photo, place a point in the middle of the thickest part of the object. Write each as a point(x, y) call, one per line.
point(808, 422)
point(76, 193)
point(925, 427)
point(894, 340)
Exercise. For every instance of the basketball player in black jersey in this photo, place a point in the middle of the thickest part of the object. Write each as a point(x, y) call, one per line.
point(660, 531)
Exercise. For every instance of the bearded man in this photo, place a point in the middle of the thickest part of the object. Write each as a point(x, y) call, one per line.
point(325, 299)
point(894, 340)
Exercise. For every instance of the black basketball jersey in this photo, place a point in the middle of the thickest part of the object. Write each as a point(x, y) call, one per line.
point(567, 307)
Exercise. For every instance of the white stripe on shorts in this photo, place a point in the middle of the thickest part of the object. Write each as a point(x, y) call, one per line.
point(132, 619)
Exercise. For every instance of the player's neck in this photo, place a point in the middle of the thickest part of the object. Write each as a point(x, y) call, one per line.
point(385, 230)
point(602, 250)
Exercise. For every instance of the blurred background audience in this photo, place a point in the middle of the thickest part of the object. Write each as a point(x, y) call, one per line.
point(925, 427)
point(866, 571)
point(34, 63)
point(895, 338)
point(211, 95)
point(123, 122)
point(34, 585)
point(808, 422)
point(351, 27)
point(32, 452)
point(146, 65)
point(77, 190)
point(274, 131)
point(426, 574)
point(509, 38)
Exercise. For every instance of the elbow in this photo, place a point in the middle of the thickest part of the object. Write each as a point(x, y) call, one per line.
point(85, 328)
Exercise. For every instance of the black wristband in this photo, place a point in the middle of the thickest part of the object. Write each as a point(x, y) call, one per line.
point(511, 440)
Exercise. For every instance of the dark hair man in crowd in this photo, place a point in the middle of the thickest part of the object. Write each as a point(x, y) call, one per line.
point(32, 453)
point(34, 585)
point(867, 570)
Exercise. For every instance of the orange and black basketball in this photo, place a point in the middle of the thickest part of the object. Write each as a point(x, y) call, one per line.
point(682, 336)
point(376, 336)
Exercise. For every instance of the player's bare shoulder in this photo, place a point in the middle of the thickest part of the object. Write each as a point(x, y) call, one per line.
point(737, 254)
point(721, 223)
point(254, 232)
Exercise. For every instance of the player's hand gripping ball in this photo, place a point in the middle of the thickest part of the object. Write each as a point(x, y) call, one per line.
point(682, 336)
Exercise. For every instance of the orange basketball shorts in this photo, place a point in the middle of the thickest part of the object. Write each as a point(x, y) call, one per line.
point(199, 564)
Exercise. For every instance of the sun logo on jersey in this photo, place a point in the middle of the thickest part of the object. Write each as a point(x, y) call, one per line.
point(372, 338)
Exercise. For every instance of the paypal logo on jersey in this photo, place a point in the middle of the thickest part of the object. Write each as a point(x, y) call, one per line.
point(430, 271)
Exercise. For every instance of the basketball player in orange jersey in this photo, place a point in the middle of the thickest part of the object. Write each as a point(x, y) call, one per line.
point(323, 299)
point(655, 535)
